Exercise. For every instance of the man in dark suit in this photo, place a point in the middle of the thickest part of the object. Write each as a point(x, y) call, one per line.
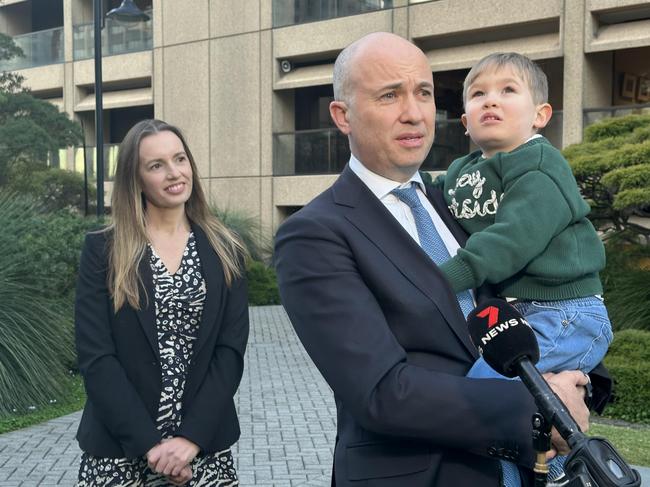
point(374, 312)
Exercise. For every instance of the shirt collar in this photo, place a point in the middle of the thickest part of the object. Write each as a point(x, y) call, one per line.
point(379, 185)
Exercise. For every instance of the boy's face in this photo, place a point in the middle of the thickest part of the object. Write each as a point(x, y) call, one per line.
point(500, 113)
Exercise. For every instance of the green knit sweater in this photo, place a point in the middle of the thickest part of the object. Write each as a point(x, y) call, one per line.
point(529, 235)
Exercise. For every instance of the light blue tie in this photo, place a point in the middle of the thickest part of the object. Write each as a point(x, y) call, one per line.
point(432, 244)
point(430, 239)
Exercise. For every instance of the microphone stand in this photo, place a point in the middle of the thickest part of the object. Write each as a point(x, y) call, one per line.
point(592, 462)
point(542, 444)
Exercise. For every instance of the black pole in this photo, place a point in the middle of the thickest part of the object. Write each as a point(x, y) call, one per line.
point(99, 121)
point(83, 130)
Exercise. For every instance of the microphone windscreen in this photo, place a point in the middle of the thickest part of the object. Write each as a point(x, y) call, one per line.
point(502, 336)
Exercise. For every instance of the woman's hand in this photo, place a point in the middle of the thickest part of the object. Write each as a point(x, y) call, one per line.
point(171, 456)
point(182, 478)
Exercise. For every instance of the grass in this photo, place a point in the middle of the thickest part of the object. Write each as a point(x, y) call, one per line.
point(74, 402)
point(633, 443)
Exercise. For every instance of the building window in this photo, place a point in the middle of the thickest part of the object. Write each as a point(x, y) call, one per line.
point(289, 12)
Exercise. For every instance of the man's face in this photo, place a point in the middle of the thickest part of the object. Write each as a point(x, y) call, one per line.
point(391, 111)
point(500, 113)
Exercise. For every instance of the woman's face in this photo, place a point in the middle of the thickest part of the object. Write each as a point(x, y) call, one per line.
point(165, 170)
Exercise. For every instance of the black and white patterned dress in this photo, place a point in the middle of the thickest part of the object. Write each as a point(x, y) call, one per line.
point(179, 299)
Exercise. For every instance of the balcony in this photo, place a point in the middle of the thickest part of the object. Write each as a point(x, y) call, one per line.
point(326, 151)
point(290, 12)
point(117, 38)
point(39, 48)
point(318, 151)
point(593, 115)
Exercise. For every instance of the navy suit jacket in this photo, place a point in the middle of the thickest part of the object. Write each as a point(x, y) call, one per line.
point(119, 359)
point(385, 330)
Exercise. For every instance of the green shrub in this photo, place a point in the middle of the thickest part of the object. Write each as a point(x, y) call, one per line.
point(55, 189)
point(35, 330)
point(612, 168)
point(627, 285)
point(262, 284)
point(249, 230)
point(54, 243)
point(627, 361)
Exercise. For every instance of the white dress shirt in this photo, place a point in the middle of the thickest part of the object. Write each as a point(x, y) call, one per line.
point(382, 187)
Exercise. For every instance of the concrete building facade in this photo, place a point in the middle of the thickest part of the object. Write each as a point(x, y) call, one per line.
point(249, 81)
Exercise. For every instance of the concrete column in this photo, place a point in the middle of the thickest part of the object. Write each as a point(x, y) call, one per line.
point(573, 35)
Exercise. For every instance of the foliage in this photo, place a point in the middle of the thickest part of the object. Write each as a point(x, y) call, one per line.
point(72, 400)
point(612, 167)
point(55, 189)
point(626, 280)
point(249, 230)
point(53, 244)
point(262, 284)
point(35, 333)
point(9, 82)
point(627, 361)
point(29, 127)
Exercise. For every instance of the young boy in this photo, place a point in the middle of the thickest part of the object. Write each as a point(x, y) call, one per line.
point(529, 235)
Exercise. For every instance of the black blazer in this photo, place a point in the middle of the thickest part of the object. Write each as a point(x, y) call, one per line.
point(119, 360)
point(384, 328)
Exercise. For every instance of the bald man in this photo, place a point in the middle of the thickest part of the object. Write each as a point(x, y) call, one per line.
point(374, 312)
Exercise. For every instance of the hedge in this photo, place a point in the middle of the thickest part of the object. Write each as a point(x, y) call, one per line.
point(627, 361)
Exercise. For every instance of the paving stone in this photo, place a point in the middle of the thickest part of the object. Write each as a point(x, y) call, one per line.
point(286, 410)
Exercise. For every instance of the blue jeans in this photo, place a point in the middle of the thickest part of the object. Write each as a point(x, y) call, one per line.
point(572, 334)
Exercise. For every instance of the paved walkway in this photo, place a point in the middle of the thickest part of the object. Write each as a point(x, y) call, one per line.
point(286, 411)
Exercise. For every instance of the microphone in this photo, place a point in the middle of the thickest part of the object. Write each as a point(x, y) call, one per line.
point(507, 343)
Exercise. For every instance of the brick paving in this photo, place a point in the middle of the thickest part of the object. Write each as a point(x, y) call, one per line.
point(286, 411)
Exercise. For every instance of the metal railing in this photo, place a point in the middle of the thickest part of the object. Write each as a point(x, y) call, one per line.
point(117, 38)
point(318, 151)
point(290, 12)
point(39, 48)
point(326, 151)
point(593, 115)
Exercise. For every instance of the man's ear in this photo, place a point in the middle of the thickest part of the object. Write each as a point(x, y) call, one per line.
point(339, 114)
point(543, 115)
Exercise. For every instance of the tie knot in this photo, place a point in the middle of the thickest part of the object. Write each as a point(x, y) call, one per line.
point(408, 195)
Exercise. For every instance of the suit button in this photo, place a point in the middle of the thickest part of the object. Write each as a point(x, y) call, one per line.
point(492, 451)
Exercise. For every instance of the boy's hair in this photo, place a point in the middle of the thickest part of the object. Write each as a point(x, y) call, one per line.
point(527, 69)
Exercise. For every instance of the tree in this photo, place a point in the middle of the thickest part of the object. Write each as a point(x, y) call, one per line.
point(29, 128)
point(9, 82)
point(612, 167)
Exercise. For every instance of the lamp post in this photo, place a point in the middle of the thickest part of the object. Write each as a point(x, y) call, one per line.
point(126, 12)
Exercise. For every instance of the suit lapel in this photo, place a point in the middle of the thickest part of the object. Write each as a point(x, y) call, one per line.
point(372, 218)
point(147, 312)
point(214, 280)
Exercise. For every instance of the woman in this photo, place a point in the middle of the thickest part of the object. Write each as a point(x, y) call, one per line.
point(161, 322)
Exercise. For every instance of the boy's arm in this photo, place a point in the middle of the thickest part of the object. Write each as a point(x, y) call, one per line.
point(533, 210)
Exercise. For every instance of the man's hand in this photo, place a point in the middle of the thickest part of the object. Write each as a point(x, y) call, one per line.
point(569, 387)
point(171, 456)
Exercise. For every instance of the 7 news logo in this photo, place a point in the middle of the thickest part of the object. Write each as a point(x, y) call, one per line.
point(494, 327)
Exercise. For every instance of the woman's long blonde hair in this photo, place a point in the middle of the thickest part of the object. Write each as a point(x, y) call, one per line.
point(128, 238)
